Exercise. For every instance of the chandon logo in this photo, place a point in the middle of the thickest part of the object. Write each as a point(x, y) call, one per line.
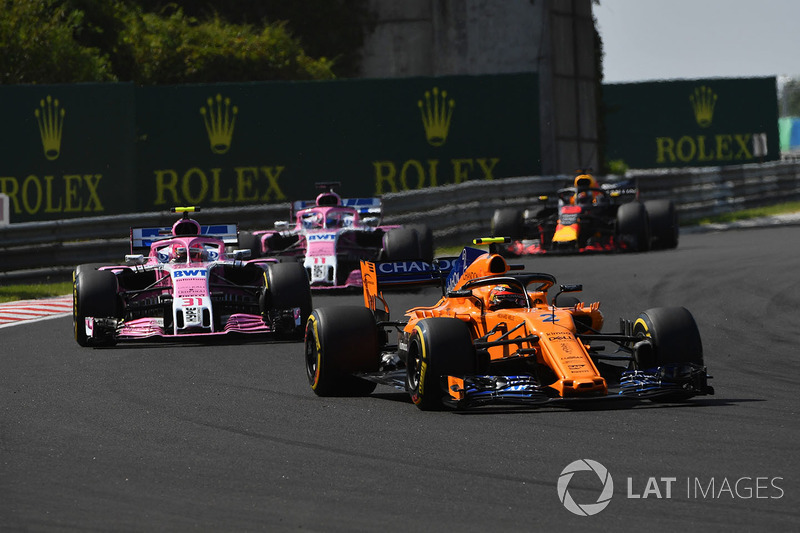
point(587, 509)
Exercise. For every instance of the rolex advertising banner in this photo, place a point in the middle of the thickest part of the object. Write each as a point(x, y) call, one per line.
point(707, 122)
point(230, 144)
point(104, 149)
point(67, 150)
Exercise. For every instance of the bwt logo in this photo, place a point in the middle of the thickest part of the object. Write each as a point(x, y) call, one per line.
point(322, 237)
point(192, 273)
point(587, 509)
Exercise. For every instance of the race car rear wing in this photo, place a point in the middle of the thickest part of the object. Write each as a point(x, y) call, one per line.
point(142, 238)
point(364, 206)
point(623, 189)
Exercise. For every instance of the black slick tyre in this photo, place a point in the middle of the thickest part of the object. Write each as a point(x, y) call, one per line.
point(664, 228)
point(94, 294)
point(633, 228)
point(673, 334)
point(425, 241)
point(438, 347)
point(401, 244)
point(507, 222)
point(248, 241)
point(340, 342)
point(287, 288)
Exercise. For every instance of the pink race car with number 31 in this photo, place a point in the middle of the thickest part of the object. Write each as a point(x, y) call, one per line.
point(188, 287)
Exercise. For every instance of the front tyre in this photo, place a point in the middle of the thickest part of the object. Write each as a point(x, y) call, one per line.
point(339, 342)
point(438, 347)
point(94, 295)
point(674, 336)
point(287, 288)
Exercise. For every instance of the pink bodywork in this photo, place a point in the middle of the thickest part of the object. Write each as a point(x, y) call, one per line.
point(188, 283)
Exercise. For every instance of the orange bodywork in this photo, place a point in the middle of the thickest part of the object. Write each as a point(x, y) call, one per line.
point(550, 332)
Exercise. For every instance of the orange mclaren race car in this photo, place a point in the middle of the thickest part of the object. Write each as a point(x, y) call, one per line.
point(497, 336)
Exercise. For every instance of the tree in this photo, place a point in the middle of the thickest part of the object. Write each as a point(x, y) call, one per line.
point(37, 45)
point(175, 48)
point(790, 99)
point(155, 42)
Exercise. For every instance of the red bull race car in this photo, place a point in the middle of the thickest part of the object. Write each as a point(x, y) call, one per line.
point(331, 235)
point(180, 283)
point(498, 335)
point(588, 217)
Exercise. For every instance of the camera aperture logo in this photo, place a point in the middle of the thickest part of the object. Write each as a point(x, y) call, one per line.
point(586, 509)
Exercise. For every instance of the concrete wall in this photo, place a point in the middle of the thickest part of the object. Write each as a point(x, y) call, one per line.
point(553, 38)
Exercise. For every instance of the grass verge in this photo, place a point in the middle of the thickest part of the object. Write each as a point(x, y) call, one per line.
point(34, 291)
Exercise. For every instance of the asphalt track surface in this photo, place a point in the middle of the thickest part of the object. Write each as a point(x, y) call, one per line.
point(231, 438)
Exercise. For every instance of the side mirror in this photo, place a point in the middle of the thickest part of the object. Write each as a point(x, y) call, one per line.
point(571, 288)
point(134, 259)
point(281, 225)
point(238, 255)
point(565, 288)
point(462, 293)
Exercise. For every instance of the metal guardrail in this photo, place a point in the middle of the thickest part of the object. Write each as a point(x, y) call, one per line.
point(35, 251)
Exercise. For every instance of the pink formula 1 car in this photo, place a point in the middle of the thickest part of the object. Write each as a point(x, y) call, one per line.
point(188, 286)
point(331, 235)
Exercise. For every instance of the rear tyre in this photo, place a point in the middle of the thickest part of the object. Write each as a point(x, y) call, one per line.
point(425, 240)
point(507, 223)
point(248, 241)
point(94, 294)
point(633, 228)
point(88, 266)
point(438, 347)
point(401, 244)
point(339, 342)
point(674, 336)
point(287, 288)
point(664, 227)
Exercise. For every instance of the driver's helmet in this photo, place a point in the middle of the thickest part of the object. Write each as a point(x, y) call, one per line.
point(506, 297)
point(585, 181)
point(312, 220)
point(583, 185)
point(584, 198)
point(197, 253)
point(178, 253)
point(333, 220)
